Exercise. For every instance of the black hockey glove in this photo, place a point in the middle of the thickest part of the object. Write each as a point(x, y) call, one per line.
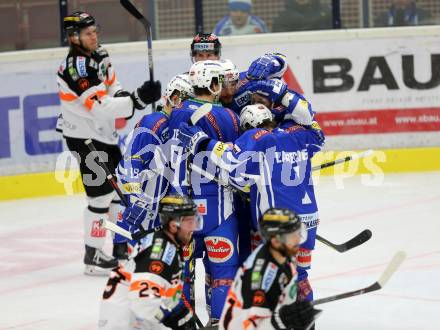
point(148, 93)
point(297, 316)
point(180, 319)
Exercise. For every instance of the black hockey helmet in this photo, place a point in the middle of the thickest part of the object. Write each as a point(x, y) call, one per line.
point(206, 42)
point(77, 21)
point(176, 206)
point(278, 221)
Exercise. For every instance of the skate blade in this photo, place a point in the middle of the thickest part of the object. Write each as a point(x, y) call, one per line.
point(96, 270)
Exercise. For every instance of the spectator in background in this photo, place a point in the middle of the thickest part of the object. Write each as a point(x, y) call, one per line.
point(240, 21)
point(402, 13)
point(303, 15)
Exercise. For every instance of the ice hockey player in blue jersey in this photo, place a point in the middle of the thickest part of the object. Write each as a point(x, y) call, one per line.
point(143, 170)
point(274, 166)
point(218, 238)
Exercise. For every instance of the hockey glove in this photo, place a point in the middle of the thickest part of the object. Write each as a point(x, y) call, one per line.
point(179, 319)
point(297, 109)
point(135, 214)
point(148, 93)
point(272, 89)
point(298, 315)
point(191, 137)
point(317, 129)
point(267, 66)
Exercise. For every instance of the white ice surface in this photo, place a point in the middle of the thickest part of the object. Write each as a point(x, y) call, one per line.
point(41, 250)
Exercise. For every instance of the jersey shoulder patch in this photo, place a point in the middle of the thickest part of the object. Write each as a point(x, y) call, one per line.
point(79, 75)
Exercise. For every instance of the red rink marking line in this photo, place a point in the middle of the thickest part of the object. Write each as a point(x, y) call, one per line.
point(21, 325)
point(385, 209)
point(38, 248)
point(364, 270)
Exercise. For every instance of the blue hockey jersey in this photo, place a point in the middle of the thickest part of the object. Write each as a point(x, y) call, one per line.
point(275, 168)
point(144, 171)
point(214, 201)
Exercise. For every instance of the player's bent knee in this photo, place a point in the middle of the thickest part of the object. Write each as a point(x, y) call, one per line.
point(100, 203)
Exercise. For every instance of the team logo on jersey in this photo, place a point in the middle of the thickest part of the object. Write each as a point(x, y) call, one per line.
point(168, 255)
point(83, 83)
point(269, 276)
point(156, 267)
point(156, 250)
point(81, 66)
point(243, 99)
point(220, 249)
point(304, 258)
point(202, 206)
point(259, 298)
point(97, 230)
point(73, 73)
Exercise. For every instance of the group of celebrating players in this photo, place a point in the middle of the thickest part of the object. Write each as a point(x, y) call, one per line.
point(220, 171)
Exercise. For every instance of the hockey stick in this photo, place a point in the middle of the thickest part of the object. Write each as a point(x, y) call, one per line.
point(392, 267)
point(112, 180)
point(147, 26)
point(343, 160)
point(113, 227)
point(195, 117)
point(359, 239)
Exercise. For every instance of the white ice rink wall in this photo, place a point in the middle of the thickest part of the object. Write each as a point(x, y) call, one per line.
point(373, 88)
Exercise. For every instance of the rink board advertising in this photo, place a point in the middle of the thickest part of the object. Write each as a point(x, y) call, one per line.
point(360, 86)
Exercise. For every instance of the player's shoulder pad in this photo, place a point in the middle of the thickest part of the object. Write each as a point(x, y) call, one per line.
point(102, 52)
point(82, 67)
point(261, 270)
point(259, 134)
point(153, 121)
point(153, 246)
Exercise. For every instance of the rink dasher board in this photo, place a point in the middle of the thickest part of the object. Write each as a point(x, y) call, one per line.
point(351, 118)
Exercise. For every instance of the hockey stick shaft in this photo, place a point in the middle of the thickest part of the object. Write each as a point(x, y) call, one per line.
point(195, 117)
point(116, 228)
point(343, 160)
point(147, 26)
point(110, 177)
point(391, 268)
point(112, 180)
point(352, 243)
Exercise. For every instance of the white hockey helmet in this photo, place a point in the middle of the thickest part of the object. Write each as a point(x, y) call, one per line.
point(202, 73)
point(181, 84)
point(231, 72)
point(254, 115)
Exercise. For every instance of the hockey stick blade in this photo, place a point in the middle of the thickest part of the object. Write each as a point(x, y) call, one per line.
point(200, 113)
point(392, 267)
point(343, 160)
point(395, 263)
point(116, 229)
point(359, 239)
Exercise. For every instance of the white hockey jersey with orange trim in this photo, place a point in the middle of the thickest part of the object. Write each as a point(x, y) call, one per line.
point(86, 88)
point(260, 287)
point(135, 292)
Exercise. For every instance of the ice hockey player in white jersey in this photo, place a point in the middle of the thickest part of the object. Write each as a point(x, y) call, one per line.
point(141, 294)
point(263, 295)
point(91, 100)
